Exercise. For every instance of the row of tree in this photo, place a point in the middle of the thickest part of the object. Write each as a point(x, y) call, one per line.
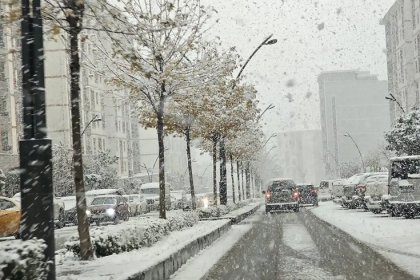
point(177, 81)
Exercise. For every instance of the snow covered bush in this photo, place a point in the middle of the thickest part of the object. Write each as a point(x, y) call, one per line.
point(22, 260)
point(134, 234)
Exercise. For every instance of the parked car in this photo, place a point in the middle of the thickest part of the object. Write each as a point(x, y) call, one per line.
point(308, 195)
point(150, 191)
point(337, 189)
point(324, 191)
point(9, 217)
point(58, 210)
point(90, 195)
point(108, 208)
point(354, 189)
point(281, 194)
point(70, 211)
point(137, 204)
point(404, 186)
point(376, 187)
point(180, 199)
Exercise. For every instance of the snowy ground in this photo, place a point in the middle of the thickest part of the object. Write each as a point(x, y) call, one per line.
point(397, 239)
point(123, 265)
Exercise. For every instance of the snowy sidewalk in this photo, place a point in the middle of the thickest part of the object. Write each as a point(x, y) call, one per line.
point(397, 239)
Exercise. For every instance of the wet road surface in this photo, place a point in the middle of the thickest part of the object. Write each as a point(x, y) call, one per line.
point(300, 246)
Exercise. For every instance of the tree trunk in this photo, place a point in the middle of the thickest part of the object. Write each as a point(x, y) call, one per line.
point(247, 178)
point(239, 184)
point(188, 140)
point(233, 178)
point(86, 251)
point(223, 179)
point(162, 191)
point(215, 169)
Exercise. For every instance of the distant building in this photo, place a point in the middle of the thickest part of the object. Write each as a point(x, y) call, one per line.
point(402, 30)
point(351, 102)
point(300, 156)
point(175, 157)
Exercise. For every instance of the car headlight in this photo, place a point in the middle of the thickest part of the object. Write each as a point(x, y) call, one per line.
point(110, 212)
point(88, 213)
point(205, 202)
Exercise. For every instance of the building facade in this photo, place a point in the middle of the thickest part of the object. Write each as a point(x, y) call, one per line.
point(402, 30)
point(9, 95)
point(351, 102)
point(301, 156)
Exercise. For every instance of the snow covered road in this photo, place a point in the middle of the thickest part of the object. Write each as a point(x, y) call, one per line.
point(299, 246)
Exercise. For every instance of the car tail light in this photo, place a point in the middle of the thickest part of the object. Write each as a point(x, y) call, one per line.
point(295, 195)
point(268, 196)
point(361, 188)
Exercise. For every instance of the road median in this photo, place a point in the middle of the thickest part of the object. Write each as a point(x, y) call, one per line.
point(160, 260)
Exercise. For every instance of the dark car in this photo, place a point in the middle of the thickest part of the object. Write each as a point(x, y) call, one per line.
point(108, 208)
point(281, 194)
point(308, 195)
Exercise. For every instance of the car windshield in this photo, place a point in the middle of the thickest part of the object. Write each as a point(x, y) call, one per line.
point(281, 185)
point(104, 201)
point(150, 191)
point(238, 139)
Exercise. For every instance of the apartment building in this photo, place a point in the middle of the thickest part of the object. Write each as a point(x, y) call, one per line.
point(351, 102)
point(9, 96)
point(402, 30)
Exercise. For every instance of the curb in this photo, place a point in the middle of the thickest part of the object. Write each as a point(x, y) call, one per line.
point(172, 263)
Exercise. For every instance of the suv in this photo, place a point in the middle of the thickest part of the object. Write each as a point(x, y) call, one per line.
point(354, 190)
point(308, 194)
point(281, 194)
point(108, 208)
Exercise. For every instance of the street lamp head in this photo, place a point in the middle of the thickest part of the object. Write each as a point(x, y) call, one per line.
point(388, 98)
point(271, 42)
point(346, 135)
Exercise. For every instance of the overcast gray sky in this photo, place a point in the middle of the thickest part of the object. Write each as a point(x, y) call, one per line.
point(313, 36)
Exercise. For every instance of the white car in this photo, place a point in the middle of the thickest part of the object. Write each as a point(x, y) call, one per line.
point(58, 210)
point(137, 204)
point(376, 187)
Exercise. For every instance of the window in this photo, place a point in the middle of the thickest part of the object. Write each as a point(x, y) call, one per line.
point(99, 144)
point(5, 140)
point(94, 145)
point(97, 98)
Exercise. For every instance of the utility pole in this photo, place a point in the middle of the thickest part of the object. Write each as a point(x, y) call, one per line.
point(37, 218)
point(357, 147)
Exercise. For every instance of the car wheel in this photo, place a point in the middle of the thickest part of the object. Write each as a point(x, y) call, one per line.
point(116, 219)
point(17, 235)
point(127, 217)
point(98, 223)
point(296, 210)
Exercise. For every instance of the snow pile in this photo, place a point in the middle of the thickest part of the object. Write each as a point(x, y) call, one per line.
point(132, 235)
point(220, 210)
point(22, 260)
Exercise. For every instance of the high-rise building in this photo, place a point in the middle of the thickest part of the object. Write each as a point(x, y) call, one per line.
point(351, 102)
point(301, 156)
point(402, 30)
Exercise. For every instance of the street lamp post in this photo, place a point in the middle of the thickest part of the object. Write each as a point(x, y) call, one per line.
point(357, 147)
point(223, 172)
point(271, 136)
point(392, 98)
point(96, 118)
point(37, 213)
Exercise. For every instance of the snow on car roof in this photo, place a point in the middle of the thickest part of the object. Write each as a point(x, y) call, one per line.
point(102, 191)
point(153, 185)
point(405, 157)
